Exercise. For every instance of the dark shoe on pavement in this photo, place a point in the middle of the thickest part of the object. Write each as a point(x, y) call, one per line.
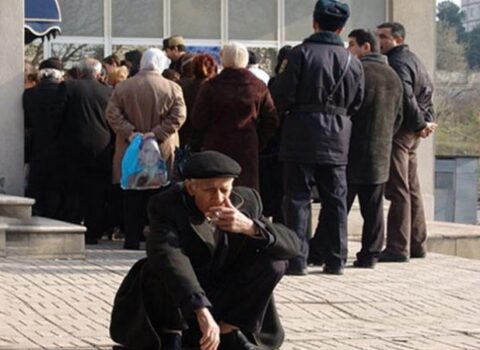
point(236, 340)
point(329, 270)
point(296, 271)
point(171, 341)
point(366, 264)
point(387, 256)
point(420, 255)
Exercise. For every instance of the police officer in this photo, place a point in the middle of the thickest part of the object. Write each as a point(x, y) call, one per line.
point(321, 85)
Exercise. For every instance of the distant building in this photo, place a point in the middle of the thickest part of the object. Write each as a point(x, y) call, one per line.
point(471, 8)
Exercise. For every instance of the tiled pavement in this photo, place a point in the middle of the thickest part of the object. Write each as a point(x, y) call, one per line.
point(432, 303)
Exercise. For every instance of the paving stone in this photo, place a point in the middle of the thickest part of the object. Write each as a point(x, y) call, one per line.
point(426, 304)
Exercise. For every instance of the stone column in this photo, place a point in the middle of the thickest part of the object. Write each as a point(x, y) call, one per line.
point(418, 17)
point(11, 88)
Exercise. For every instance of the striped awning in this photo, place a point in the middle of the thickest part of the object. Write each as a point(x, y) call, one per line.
point(42, 19)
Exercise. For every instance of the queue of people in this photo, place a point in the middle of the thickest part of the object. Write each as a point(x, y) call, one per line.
point(344, 121)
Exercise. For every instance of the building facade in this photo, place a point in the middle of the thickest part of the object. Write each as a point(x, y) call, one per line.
point(471, 9)
point(106, 26)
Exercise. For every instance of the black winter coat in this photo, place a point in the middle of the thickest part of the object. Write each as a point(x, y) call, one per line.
point(180, 253)
point(39, 104)
point(374, 125)
point(84, 133)
point(417, 88)
point(312, 69)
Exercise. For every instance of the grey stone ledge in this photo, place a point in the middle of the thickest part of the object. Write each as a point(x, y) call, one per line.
point(15, 200)
point(39, 224)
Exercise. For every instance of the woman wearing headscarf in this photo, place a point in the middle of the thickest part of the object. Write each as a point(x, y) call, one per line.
point(235, 113)
point(150, 105)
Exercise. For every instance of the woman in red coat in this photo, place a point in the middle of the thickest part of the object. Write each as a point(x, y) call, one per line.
point(235, 113)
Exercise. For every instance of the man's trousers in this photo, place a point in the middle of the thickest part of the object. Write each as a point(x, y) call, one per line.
point(330, 240)
point(370, 198)
point(406, 226)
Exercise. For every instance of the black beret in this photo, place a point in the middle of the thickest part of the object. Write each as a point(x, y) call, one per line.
point(52, 62)
point(331, 13)
point(210, 164)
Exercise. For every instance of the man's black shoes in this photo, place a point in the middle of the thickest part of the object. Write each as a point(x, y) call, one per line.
point(366, 264)
point(387, 256)
point(331, 270)
point(296, 271)
point(236, 340)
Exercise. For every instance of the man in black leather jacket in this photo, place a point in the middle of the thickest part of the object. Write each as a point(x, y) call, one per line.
point(316, 134)
point(406, 226)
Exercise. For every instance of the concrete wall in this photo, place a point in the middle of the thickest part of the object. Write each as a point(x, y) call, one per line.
point(418, 17)
point(11, 88)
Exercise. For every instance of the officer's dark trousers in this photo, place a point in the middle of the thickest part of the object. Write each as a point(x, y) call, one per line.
point(239, 296)
point(370, 198)
point(330, 240)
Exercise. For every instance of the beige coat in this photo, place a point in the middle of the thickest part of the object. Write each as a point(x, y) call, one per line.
point(145, 103)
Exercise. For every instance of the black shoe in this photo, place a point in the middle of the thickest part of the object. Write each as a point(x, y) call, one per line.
point(329, 270)
point(387, 256)
point(366, 264)
point(296, 271)
point(236, 340)
point(421, 255)
point(171, 341)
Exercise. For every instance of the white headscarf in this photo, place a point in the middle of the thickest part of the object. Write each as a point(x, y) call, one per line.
point(234, 55)
point(154, 59)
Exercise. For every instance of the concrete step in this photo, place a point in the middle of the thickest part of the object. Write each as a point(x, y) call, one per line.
point(443, 237)
point(3, 240)
point(16, 207)
point(454, 239)
point(42, 238)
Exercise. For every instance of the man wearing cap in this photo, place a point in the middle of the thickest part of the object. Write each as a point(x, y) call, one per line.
point(176, 51)
point(45, 181)
point(213, 261)
point(321, 87)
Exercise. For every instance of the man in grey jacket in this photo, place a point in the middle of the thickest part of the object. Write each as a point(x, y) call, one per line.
point(373, 127)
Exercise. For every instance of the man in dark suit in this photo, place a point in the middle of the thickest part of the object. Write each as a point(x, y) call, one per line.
point(213, 260)
point(84, 137)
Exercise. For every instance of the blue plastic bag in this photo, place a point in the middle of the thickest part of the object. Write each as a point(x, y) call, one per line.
point(143, 167)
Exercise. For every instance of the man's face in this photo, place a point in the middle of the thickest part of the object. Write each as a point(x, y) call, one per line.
point(357, 50)
point(209, 193)
point(386, 40)
point(172, 53)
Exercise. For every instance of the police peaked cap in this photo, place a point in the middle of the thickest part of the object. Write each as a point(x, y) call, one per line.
point(331, 12)
point(211, 164)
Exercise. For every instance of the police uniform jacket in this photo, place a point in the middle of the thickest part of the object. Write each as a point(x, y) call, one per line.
point(311, 133)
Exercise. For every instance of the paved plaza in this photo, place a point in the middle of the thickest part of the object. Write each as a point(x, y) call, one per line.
point(432, 303)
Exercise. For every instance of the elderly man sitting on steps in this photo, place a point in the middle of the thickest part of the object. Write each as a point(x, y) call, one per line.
point(213, 261)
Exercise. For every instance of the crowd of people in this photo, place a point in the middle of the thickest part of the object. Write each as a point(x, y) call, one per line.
point(333, 123)
point(336, 122)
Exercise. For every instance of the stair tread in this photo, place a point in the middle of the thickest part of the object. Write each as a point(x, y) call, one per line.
point(39, 224)
point(6, 199)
